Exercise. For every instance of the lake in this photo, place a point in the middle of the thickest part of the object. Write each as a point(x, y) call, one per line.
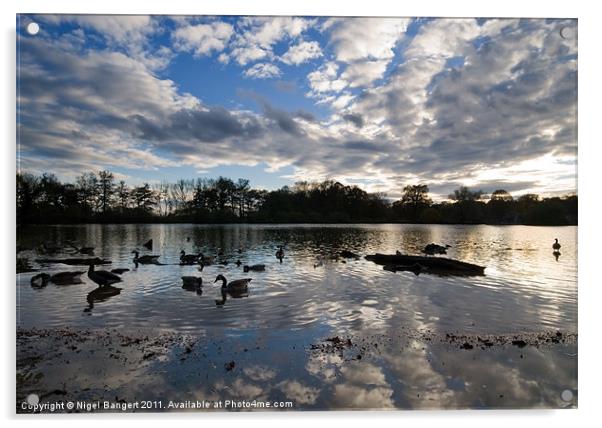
point(403, 350)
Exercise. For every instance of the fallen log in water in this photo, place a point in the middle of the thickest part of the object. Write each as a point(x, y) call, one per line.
point(436, 265)
point(77, 261)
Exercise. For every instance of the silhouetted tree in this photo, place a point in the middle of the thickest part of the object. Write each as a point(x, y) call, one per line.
point(414, 198)
point(144, 198)
point(123, 195)
point(464, 194)
point(106, 188)
point(501, 195)
point(44, 199)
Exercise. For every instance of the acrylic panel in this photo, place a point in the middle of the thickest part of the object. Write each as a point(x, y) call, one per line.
point(232, 213)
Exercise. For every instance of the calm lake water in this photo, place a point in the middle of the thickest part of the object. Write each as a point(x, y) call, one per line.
point(297, 303)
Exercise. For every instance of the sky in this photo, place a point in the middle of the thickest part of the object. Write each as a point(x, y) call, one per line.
point(375, 102)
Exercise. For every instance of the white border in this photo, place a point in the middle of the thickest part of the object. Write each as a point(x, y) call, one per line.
point(589, 194)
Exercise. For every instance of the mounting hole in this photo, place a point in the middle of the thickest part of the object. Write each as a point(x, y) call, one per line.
point(567, 395)
point(567, 33)
point(33, 28)
point(33, 399)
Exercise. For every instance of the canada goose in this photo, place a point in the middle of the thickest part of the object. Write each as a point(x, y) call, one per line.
point(255, 268)
point(556, 245)
point(236, 286)
point(40, 280)
point(119, 271)
point(280, 253)
point(189, 259)
point(435, 249)
point(102, 277)
point(149, 244)
point(232, 293)
point(192, 283)
point(224, 298)
point(146, 259)
point(66, 278)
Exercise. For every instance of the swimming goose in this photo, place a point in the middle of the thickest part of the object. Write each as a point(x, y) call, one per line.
point(435, 249)
point(236, 286)
point(146, 259)
point(280, 253)
point(102, 277)
point(346, 254)
point(189, 259)
point(556, 245)
point(66, 278)
point(40, 280)
point(192, 283)
point(256, 268)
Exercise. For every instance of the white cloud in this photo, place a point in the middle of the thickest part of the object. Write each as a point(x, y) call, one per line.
point(366, 38)
point(364, 73)
point(509, 105)
point(262, 71)
point(129, 33)
point(443, 38)
point(302, 52)
point(119, 28)
point(202, 39)
point(341, 102)
point(367, 44)
point(325, 78)
point(255, 37)
point(249, 53)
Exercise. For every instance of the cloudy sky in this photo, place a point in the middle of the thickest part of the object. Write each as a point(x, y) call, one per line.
point(377, 102)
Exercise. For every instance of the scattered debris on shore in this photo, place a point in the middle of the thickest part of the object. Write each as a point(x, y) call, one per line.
point(466, 342)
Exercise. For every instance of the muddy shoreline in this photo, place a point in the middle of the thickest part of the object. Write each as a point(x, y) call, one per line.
point(62, 365)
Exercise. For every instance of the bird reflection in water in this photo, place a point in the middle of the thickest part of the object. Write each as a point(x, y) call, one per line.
point(556, 254)
point(232, 294)
point(101, 294)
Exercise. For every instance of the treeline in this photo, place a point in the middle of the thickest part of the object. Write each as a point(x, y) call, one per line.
point(100, 198)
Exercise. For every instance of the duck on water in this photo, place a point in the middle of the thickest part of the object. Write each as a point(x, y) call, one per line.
point(193, 283)
point(102, 277)
point(146, 259)
point(237, 288)
point(61, 278)
point(189, 259)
